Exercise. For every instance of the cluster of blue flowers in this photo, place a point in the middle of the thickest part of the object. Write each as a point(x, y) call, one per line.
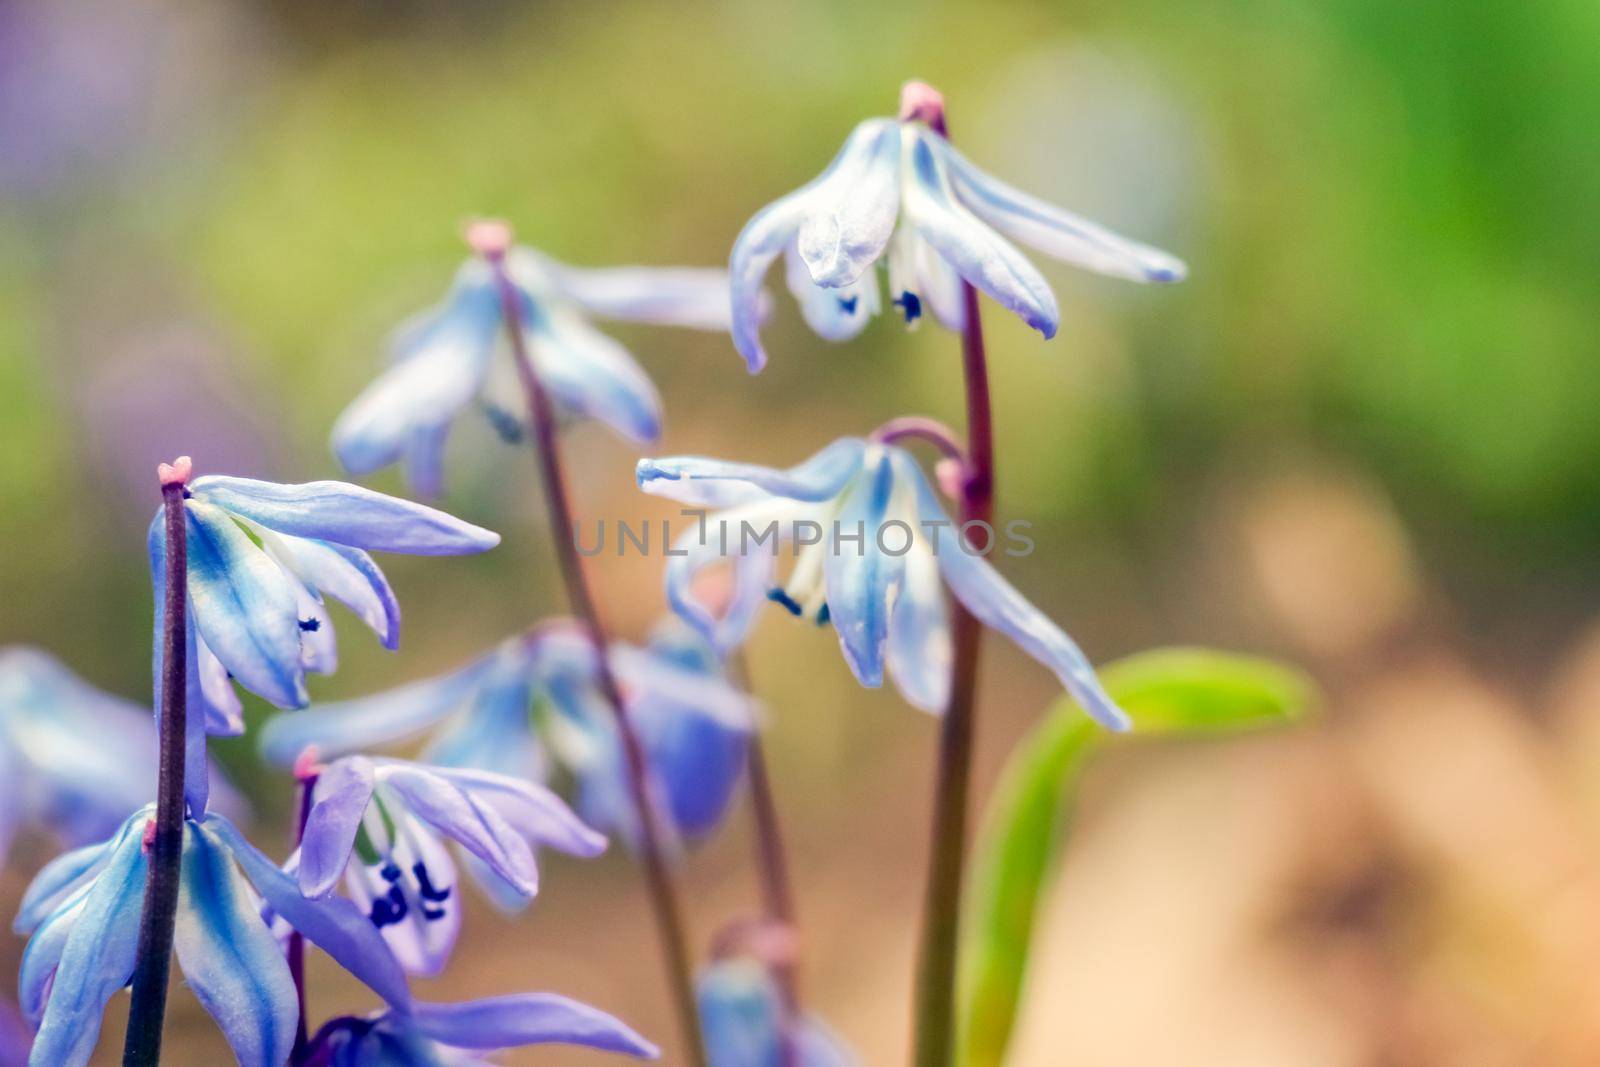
point(374, 881)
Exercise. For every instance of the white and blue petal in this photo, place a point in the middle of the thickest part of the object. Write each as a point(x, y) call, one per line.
point(97, 957)
point(977, 253)
point(409, 894)
point(592, 375)
point(333, 924)
point(58, 880)
point(441, 358)
point(998, 605)
point(229, 957)
point(244, 607)
point(341, 727)
point(919, 646)
point(344, 514)
point(696, 549)
point(714, 482)
point(340, 798)
point(348, 575)
point(834, 314)
point(1052, 230)
point(665, 296)
point(531, 809)
point(850, 214)
point(464, 817)
point(772, 230)
point(525, 1019)
point(862, 579)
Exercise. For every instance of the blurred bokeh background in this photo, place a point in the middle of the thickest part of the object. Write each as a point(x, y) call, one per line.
point(1361, 436)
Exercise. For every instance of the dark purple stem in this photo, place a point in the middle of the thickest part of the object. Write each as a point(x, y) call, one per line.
point(935, 1027)
point(164, 838)
point(777, 888)
point(296, 952)
point(493, 241)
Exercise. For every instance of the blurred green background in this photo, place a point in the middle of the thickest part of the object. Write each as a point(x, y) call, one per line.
point(1360, 436)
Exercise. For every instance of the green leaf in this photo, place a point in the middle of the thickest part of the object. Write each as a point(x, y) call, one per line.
point(1167, 692)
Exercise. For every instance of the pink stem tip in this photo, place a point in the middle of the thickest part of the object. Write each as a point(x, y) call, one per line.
point(307, 765)
point(177, 472)
point(921, 102)
point(489, 238)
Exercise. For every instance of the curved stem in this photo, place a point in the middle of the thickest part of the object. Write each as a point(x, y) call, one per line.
point(652, 857)
point(164, 839)
point(922, 428)
point(936, 979)
point(777, 888)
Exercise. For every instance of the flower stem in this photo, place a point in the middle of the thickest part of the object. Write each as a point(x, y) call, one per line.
point(147, 1012)
point(941, 925)
point(777, 888)
point(306, 776)
point(493, 242)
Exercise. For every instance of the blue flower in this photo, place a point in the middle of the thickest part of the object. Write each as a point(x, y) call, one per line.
point(378, 824)
point(692, 723)
point(458, 1035)
point(444, 360)
point(68, 752)
point(261, 559)
point(82, 912)
point(740, 1016)
point(898, 188)
point(873, 546)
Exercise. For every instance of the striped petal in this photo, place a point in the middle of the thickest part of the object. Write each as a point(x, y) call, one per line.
point(244, 607)
point(999, 606)
point(977, 253)
point(665, 296)
point(851, 213)
point(343, 790)
point(96, 959)
point(345, 514)
point(715, 482)
point(861, 577)
point(526, 1019)
point(592, 375)
point(229, 957)
point(348, 575)
point(466, 818)
point(1052, 230)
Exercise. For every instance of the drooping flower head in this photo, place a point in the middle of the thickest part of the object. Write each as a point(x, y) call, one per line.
point(460, 1035)
point(82, 913)
point(536, 700)
point(897, 191)
point(377, 824)
point(873, 550)
point(262, 558)
point(445, 360)
point(69, 754)
point(741, 1018)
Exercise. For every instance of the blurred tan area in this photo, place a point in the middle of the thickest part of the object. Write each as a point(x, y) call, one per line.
point(1360, 438)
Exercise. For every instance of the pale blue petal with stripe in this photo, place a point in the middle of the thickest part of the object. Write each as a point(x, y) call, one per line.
point(351, 577)
point(836, 314)
point(97, 957)
point(526, 1019)
point(345, 514)
point(977, 253)
point(851, 213)
point(42, 955)
point(861, 577)
point(919, 647)
point(441, 357)
point(592, 375)
point(532, 810)
point(1052, 230)
point(999, 606)
point(664, 296)
point(244, 607)
point(333, 924)
point(342, 727)
point(343, 790)
point(699, 480)
point(58, 880)
point(230, 960)
point(464, 817)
